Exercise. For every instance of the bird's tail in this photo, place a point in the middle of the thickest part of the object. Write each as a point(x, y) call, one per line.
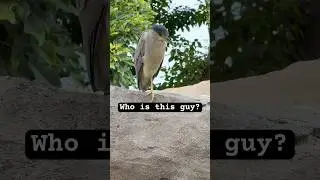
point(143, 82)
point(144, 85)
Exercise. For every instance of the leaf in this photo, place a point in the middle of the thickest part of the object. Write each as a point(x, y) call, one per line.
point(199, 44)
point(6, 11)
point(22, 10)
point(43, 72)
point(67, 51)
point(65, 7)
point(41, 53)
point(34, 26)
point(37, 75)
point(112, 66)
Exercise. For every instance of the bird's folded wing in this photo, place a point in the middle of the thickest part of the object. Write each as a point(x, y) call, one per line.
point(138, 56)
point(156, 74)
point(93, 18)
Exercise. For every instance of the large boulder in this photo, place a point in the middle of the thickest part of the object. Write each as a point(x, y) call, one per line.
point(298, 84)
point(303, 120)
point(286, 99)
point(148, 145)
point(158, 145)
point(25, 105)
point(173, 146)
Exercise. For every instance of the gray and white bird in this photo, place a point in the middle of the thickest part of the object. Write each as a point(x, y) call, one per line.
point(149, 56)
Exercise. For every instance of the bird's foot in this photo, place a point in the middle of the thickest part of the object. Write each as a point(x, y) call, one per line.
point(152, 95)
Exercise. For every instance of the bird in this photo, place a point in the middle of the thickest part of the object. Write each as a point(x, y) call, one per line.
point(149, 55)
point(93, 18)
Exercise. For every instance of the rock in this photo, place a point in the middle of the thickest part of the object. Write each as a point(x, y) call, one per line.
point(155, 145)
point(298, 84)
point(195, 90)
point(25, 105)
point(285, 99)
point(303, 121)
point(172, 146)
point(149, 145)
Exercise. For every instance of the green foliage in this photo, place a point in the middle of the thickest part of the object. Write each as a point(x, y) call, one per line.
point(189, 65)
point(181, 17)
point(258, 39)
point(128, 20)
point(34, 41)
point(40, 40)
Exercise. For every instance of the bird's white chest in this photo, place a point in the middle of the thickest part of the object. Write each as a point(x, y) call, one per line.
point(159, 48)
point(155, 50)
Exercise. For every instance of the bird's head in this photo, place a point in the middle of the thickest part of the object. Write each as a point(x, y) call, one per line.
point(161, 30)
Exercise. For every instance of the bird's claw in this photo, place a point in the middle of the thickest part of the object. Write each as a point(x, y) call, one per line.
point(152, 95)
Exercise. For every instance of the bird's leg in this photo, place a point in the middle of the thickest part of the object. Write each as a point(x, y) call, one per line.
point(151, 91)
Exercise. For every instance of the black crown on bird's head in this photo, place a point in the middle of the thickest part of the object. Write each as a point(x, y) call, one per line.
point(161, 30)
